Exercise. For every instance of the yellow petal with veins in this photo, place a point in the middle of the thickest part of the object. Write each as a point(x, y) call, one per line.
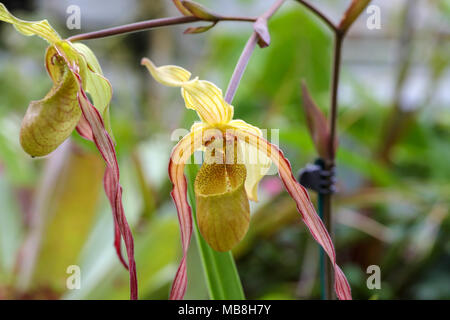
point(207, 99)
point(29, 28)
point(256, 161)
point(199, 95)
point(172, 76)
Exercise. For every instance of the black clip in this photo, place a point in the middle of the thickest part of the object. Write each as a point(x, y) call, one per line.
point(316, 178)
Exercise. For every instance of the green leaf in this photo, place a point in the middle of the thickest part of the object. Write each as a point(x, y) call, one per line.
point(220, 270)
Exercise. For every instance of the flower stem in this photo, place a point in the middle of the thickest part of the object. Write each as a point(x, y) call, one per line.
point(246, 54)
point(325, 200)
point(150, 24)
point(319, 14)
point(240, 67)
point(337, 52)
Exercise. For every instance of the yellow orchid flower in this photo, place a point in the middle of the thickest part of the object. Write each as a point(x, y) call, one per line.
point(75, 72)
point(229, 175)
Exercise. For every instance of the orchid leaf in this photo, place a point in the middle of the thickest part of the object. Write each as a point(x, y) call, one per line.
point(317, 123)
point(29, 28)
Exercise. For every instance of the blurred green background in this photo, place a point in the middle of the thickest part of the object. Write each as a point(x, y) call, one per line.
point(392, 208)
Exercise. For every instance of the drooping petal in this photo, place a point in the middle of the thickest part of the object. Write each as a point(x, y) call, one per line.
point(180, 154)
point(50, 121)
point(29, 28)
point(304, 205)
point(199, 95)
point(108, 185)
point(92, 127)
point(256, 162)
point(84, 129)
point(113, 188)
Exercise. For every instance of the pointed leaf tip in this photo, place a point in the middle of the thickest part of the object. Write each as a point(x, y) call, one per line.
point(317, 123)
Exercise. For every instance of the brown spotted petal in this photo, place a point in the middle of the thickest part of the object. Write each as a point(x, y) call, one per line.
point(223, 212)
point(50, 121)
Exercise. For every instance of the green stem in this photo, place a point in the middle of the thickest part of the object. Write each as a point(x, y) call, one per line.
point(221, 274)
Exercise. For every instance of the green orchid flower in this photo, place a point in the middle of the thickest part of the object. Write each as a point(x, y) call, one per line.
point(48, 122)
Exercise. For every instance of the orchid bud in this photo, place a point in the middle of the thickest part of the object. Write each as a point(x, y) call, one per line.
point(199, 11)
point(181, 8)
point(223, 211)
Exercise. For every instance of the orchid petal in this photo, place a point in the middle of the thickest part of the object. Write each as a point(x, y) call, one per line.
point(172, 76)
point(29, 28)
point(199, 95)
point(180, 155)
point(84, 129)
point(207, 99)
point(256, 162)
point(112, 186)
point(304, 205)
point(108, 185)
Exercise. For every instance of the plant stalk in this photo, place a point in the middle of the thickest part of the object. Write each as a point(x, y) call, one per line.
point(325, 200)
point(247, 53)
point(150, 24)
